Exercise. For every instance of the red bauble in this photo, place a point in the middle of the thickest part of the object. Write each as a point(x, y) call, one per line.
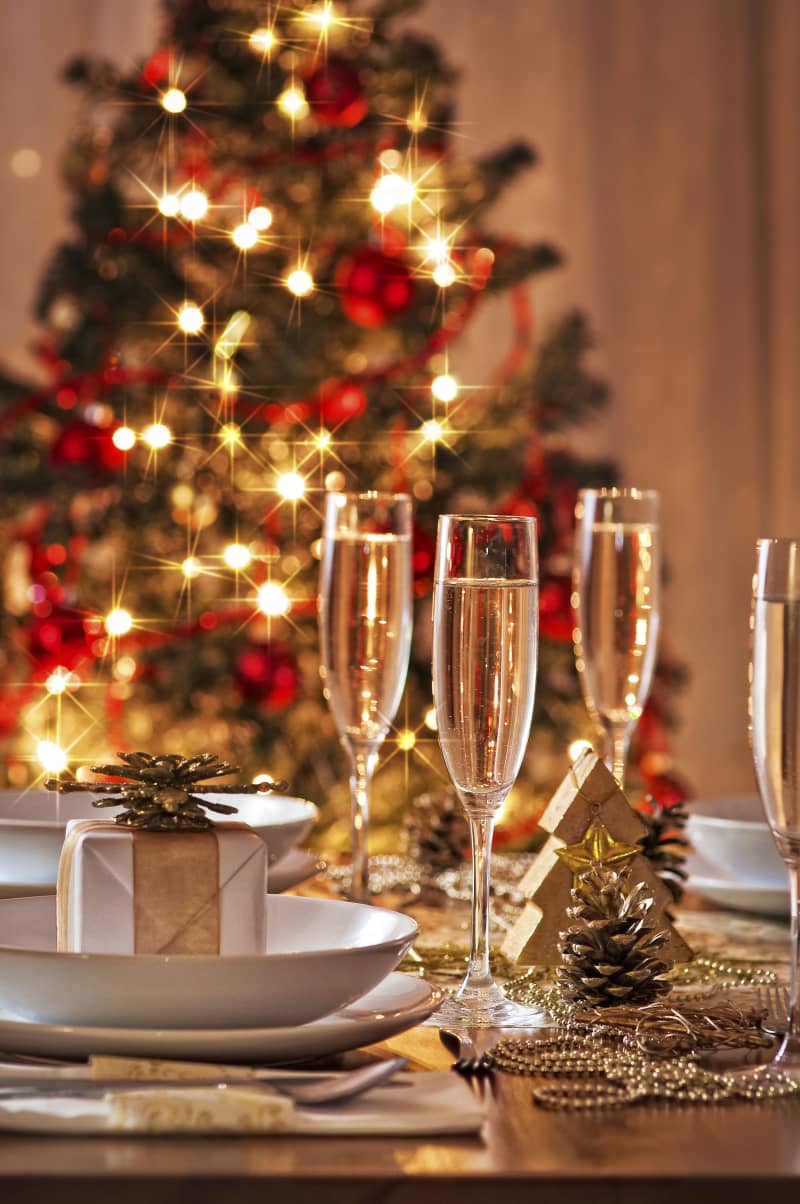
point(341, 400)
point(58, 638)
point(555, 610)
point(335, 94)
point(81, 444)
point(423, 554)
point(157, 69)
point(373, 287)
point(267, 674)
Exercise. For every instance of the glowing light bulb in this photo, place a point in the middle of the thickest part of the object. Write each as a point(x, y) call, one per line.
point(416, 121)
point(237, 556)
point(577, 747)
point(262, 778)
point(323, 439)
point(444, 387)
point(157, 436)
point(194, 205)
point(431, 430)
point(58, 681)
point(300, 282)
point(292, 103)
point(444, 275)
point(272, 599)
point(262, 41)
point(437, 249)
point(245, 236)
point(190, 318)
point(191, 567)
point(169, 205)
point(406, 740)
point(323, 16)
point(391, 191)
point(430, 719)
point(260, 218)
point(230, 434)
point(123, 438)
point(290, 485)
point(118, 621)
point(173, 100)
point(51, 758)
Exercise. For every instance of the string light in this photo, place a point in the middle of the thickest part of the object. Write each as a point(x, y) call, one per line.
point(292, 103)
point(245, 236)
point(235, 330)
point(173, 100)
point(391, 191)
point(444, 274)
point(300, 282)
point(169, 205)
point(323, 439)
point(577, 747)
point(157, 436)
point(51, 758)
point(237, 556)
point(406, 740)
point(436, 248)
point(191, 567)
point(194, 205)
point(123, 438)
point(272, 599)
point(118, 621)
point(430, 719)
point(323, 16)
point(432, 431)
point(262, 41)
point(416, 121)
point(190, 318)
point(444, 387)
point(260, 218)
point(230, 435)
point(59, 680)
point(291, 486)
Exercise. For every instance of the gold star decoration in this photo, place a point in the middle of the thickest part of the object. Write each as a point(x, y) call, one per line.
point(597, 847)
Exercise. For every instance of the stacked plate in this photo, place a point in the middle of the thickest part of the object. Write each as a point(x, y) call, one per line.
point(734, 860)
point(326, 983)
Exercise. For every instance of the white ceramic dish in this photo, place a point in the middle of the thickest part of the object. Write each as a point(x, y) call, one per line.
point(32, 828)
point(397, 1003)
point(769, 899)
point(321, 955)
point(733, 839)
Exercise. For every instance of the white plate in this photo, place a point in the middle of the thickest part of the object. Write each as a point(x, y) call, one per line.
point(294, 867)
point(733, 839)
point(398, 1003)
point(763, 898)
point(32, 826)
point(321, 955)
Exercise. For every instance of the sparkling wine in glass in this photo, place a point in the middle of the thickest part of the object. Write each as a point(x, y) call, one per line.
point(485, 641)
point(616, 589)
point(775, 734)
point(365, 621)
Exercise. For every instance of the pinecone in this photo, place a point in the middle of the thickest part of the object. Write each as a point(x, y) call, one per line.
point(436, 831)
point(666, 844)
point(608, 952)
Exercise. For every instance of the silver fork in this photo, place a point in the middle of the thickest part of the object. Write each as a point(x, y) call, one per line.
point(468, 1060)
point(775, 1001)
point(329, 1091)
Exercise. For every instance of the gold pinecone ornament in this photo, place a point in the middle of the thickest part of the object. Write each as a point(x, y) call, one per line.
point(608, 954)
point(436, 831)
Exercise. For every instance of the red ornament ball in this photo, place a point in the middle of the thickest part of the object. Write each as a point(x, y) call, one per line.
point(267, 674)
point(80, 444)
point(341, 401)
point(335, 94)
point(373, 287)
point(555, 610)
point(57, 638)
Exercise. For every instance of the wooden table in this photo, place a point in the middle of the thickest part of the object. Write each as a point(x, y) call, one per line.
point(643, 1155)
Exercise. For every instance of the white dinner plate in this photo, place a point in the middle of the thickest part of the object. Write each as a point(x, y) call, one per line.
point(399, 1002)
point(321, 955)
point(762, 898)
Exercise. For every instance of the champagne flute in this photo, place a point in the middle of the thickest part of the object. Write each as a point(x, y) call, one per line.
point(616, 589)
point(775, 735)
point(485, 641)
point(365, 622)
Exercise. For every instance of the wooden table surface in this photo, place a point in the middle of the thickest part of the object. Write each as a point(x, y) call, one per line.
point(656, 1154)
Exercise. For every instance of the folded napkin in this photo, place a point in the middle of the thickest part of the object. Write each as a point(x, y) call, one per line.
point(410, 1104)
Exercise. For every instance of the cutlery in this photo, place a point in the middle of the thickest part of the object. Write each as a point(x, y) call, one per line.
point(468, 1060)
point(775, 1002)
point(332, 1089)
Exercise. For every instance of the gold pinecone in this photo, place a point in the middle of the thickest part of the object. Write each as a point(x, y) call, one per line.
point(608, 953)
point(436, 831)
point(665, 844)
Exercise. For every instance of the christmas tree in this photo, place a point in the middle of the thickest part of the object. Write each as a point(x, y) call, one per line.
point(277, 243)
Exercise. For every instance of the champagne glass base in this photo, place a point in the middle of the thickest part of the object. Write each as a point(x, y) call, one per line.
point(485, 1007)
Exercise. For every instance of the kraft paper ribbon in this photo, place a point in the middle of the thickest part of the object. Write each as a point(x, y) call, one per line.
point(176, 898)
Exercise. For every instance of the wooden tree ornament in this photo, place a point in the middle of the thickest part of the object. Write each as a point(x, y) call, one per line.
point(589, 822)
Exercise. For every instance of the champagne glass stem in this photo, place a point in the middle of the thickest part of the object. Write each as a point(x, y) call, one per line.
point(794, 988)
point(481, 828)
point(619, 735)
point(363, 761)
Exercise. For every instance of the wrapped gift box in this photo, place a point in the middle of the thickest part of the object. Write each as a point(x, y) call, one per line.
point(124, 890)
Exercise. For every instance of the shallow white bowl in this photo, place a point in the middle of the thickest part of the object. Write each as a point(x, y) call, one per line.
point(32, 827)
point(321, 955)
point(734, 840)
